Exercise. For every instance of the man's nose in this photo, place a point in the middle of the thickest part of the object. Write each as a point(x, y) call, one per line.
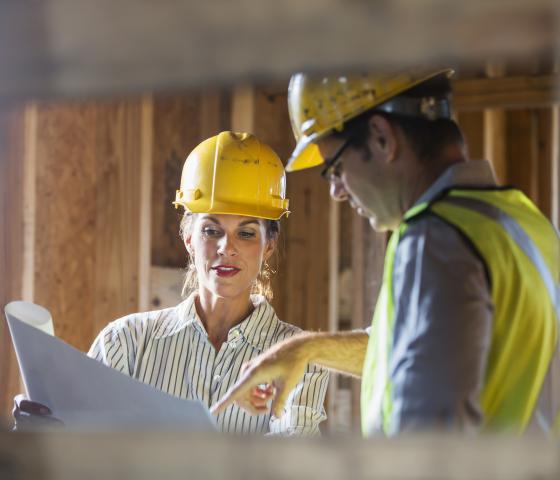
point(226, 246)
point(337, 191)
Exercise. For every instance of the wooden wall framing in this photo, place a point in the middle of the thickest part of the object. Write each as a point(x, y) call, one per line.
point(86, 189)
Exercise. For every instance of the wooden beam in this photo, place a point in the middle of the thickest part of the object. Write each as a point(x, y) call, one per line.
point(506, 93)
point(148, 454)
point(144, 213)
point(12, 249)
point(63, 47)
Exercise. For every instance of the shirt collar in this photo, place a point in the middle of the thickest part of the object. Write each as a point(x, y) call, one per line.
point(257, 328)
point(472, 173)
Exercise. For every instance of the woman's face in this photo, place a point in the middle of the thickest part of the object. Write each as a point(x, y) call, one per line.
point(228, 252)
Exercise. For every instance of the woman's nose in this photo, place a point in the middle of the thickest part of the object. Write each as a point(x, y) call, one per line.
point(337, 191)
point(226, 246)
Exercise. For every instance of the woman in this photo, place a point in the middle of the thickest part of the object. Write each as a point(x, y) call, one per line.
point(233, 192)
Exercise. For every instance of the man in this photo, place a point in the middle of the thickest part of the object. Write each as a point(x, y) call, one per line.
point(465, 332)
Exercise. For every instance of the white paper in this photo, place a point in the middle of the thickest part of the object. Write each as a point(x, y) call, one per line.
point(32, 314)
point(81, 391)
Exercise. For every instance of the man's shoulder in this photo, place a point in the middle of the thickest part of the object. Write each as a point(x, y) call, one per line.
point(431, 247)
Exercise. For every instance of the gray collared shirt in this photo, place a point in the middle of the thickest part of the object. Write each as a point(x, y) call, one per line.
point(443, 318)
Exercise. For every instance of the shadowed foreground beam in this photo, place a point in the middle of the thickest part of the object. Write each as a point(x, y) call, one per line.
point(69, 47)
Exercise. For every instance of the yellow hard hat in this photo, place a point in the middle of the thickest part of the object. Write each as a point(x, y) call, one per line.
point(319, 105)
point(236, 174)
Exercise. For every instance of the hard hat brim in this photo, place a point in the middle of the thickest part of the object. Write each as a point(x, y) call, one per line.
point(219, 208)
point(305, 155)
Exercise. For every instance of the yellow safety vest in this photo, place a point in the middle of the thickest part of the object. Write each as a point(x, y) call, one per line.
point(521, 251)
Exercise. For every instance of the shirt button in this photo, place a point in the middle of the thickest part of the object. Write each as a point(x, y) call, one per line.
point(217, 379)
point(235, 334)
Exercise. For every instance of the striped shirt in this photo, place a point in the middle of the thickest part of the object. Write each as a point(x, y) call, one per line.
point(170, 350)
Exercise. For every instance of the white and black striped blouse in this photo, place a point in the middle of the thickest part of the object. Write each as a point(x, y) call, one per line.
point(169, 349)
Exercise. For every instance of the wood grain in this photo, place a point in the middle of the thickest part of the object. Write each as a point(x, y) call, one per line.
point(11, 244)
point(88, 192)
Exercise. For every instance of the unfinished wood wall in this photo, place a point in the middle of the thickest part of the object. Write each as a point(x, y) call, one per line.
point(11, 241)
point(86, 189)
point(72, 236)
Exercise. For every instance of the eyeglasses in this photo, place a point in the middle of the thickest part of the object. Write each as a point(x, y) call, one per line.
point(332, 165)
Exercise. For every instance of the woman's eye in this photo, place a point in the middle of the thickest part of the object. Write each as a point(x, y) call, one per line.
point(247, 234)
point(210, 231)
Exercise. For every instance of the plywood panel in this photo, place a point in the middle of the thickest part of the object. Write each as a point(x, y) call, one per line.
point(176, 133)
point(116, 253)
point(87, 240)
point(66, 218)
point(180, 123)
point(306, 262)
point(11, 243)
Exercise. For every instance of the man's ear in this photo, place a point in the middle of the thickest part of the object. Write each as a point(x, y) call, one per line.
point(383, 141)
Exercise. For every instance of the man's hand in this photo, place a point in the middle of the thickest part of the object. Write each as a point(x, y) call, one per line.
point(273, 374)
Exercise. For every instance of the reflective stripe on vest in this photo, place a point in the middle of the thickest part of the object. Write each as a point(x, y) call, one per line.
point(521, 251)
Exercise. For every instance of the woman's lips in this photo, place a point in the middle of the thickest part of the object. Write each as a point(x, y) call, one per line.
point(226, 270)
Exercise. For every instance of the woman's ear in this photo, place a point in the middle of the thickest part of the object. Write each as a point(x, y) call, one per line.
point(269, 249)
point(188, 245)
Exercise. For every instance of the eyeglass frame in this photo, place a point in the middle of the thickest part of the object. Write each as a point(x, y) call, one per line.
point(331, 163)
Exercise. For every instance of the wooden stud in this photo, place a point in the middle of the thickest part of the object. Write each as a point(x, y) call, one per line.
point(243, 109)
point(472, 126)
point(12, 250)
point(495, 131)
point(145, 201)
point(29, 201)
point(522, 159)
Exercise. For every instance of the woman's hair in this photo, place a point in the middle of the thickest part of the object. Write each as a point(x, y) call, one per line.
point(262, 284)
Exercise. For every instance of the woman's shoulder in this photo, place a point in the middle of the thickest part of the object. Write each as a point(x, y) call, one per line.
point(152, 321)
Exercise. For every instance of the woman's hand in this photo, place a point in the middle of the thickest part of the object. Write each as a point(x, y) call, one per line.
point(29, 415)
point(273, 374)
